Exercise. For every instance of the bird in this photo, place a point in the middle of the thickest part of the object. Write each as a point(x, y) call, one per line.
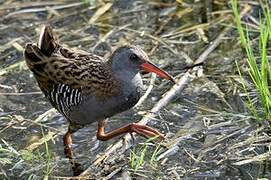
point(87, 88)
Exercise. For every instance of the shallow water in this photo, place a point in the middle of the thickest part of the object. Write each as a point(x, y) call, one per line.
point(210, 113)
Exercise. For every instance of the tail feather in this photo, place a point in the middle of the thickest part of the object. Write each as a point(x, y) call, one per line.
point(35, 59)
point(37, 56)
point(47, 41)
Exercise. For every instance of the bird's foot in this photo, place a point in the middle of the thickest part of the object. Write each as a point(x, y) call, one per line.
point(140, 129)
point(77, 169)
point(146, 131)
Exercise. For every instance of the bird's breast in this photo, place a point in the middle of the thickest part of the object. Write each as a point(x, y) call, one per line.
point(93, 109)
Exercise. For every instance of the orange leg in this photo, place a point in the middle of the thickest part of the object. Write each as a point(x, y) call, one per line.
point(142, 130)
point(67, 139)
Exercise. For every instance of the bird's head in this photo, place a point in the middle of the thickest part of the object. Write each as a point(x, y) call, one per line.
point(134, 59)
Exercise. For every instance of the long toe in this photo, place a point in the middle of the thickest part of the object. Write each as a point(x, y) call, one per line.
point(151, 130)
point(146, 131)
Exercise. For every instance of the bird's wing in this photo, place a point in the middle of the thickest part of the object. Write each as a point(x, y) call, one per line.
point(66, 76)
point(78, 70)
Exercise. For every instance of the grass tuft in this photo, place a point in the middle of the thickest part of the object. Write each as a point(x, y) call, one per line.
point(258, 63)
point(137, 159)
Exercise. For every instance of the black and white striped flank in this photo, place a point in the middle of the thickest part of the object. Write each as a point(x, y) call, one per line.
point(63, 98)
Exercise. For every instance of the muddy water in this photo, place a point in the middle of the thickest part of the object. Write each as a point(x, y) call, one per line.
point(210, 110)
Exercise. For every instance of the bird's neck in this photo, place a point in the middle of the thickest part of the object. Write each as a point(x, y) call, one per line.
point(131, 88)
point(128, 77)
point(130, 81)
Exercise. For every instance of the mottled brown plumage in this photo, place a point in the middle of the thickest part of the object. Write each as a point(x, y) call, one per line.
point(84, 71)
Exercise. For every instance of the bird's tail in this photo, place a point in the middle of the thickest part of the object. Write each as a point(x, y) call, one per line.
point(36, 56)
point(46, 46)
point(47, 41)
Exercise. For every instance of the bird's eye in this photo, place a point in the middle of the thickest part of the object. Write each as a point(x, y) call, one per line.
point(133, 57)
